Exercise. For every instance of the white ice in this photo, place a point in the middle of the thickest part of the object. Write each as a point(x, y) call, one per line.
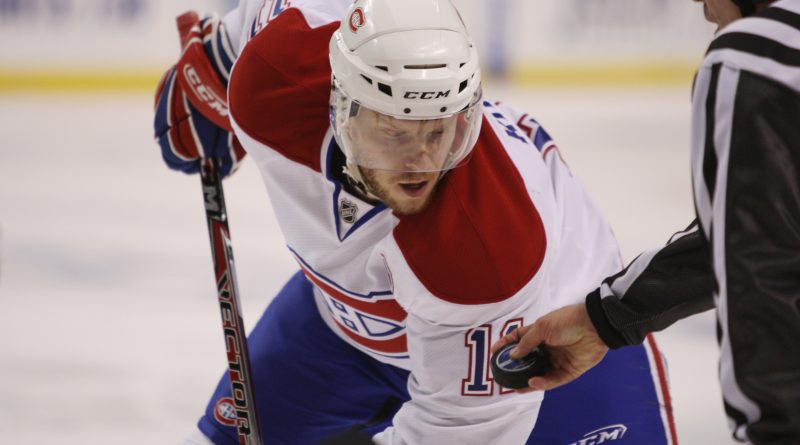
point(109, 326)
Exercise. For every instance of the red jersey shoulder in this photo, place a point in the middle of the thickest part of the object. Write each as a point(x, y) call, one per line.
point(482, 238)
point(280, 86)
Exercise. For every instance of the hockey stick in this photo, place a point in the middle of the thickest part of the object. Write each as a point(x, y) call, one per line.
point(227, 293)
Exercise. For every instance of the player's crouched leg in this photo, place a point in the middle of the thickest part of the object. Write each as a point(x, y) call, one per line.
point(310, 385)
point(623, 400)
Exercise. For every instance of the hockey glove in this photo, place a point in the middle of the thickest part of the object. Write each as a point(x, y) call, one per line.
point(191, 110)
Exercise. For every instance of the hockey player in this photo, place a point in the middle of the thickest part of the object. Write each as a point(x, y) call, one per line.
point(746, 175)
point(426, 221)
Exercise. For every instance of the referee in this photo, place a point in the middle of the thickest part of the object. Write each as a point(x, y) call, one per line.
point(742, 254)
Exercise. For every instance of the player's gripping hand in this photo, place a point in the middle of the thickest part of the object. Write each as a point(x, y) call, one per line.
point(571, 341)
point(191, 111)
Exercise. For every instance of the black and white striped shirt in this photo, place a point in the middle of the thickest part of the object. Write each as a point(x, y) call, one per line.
point(745, 251)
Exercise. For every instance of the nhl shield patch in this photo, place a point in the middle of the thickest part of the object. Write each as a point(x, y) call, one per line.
point(348, 211)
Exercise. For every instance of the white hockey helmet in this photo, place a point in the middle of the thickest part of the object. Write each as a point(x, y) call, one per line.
point(406, 84)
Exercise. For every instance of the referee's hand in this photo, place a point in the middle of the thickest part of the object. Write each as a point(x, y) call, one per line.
point(571, 340)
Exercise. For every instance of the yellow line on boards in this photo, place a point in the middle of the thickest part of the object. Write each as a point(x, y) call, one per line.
point(41, 80)
point(617, 75)
point(563, 75)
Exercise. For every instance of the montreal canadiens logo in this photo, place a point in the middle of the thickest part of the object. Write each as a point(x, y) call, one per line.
point(224, 412)
point(356, 20)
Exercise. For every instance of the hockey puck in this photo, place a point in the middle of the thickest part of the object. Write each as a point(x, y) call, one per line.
point(514, 374)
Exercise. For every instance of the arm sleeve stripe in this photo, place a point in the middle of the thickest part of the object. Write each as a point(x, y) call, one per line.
point(782, 15)
point(710, 155)
point(757, 45)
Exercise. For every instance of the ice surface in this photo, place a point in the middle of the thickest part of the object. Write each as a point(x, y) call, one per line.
point(109, 326)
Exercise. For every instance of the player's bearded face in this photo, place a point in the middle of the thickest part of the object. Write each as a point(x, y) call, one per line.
point(405, 193)
point(414, 152)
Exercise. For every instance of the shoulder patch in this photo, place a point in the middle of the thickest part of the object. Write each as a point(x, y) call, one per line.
point(481, 239)
point(280, 85)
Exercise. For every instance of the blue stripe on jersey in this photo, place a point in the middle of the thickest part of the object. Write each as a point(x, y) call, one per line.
point(278, 6)
point(254, 28)
point(541, 139)
point(368, 296)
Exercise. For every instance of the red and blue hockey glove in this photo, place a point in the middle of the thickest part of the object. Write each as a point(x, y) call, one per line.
point(191, 111)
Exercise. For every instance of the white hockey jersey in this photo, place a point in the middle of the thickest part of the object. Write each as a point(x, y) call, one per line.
point(508, 237)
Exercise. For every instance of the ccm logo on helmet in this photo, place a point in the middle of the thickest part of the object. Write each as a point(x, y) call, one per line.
point(426, 95)
point(204, 93)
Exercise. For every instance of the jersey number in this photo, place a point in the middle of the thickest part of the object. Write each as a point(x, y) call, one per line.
point(479, 381)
